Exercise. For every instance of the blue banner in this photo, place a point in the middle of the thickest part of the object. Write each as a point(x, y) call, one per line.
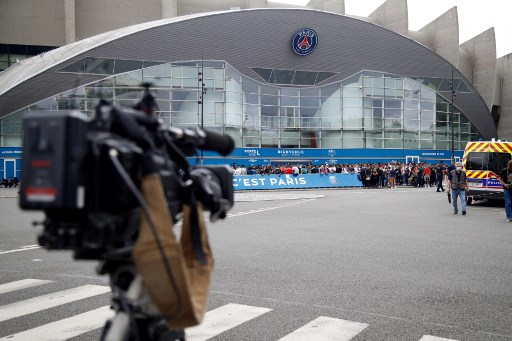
point(11, 152)
point(288, 181)
point(265, 156)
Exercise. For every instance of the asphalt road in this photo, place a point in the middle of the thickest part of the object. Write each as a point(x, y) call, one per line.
point(376, 264)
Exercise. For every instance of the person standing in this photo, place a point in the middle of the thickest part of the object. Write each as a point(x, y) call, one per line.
point(458, 184)
point(440, 174)
point(506, 180)
point(392, 176)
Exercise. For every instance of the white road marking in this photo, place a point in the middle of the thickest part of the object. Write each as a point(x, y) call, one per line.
point(224, 318)
point(40, 303)
point(22, 284)
point(434, 338)
point(66, 328)
point(30, 245)
point(326, 329)
point(269, 208)
point(25, 248)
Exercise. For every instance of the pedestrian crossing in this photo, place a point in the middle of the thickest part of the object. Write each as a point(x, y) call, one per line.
point(216, 321)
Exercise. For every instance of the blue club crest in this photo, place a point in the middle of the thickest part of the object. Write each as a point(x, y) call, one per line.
point(304, 41)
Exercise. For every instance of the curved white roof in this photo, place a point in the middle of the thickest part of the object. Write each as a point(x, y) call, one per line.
point(31, 67)
point(252, 38)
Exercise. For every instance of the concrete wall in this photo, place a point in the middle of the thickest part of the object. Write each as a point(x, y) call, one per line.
point(505, 124)
point(29, 22)
point(393, 15)
point(169, 8)
point(482, 50)
point(335, 6)
point(443, 35)
point(96, 16)
point(465, 63)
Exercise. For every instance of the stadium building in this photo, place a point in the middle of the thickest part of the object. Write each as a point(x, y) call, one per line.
point(307, 84)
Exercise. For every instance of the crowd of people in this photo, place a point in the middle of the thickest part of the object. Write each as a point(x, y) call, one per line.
point(9, 183)
point(372, 175)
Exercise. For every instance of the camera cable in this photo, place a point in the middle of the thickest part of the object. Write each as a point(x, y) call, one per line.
point(139, 197)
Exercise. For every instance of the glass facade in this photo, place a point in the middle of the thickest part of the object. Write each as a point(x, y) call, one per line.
point(367, 110)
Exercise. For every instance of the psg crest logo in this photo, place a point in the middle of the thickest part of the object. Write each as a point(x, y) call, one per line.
point(304, 41)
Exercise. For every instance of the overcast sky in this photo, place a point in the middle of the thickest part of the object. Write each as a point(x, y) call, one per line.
point(475, 16)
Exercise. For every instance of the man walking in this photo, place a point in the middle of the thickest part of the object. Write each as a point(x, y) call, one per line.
point(506, 180)
point(458, 184)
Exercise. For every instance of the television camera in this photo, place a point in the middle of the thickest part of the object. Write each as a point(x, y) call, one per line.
point(86, 175)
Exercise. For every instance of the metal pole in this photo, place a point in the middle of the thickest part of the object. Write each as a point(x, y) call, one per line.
point(202, 102)
point(203, 90)
point(452, 118)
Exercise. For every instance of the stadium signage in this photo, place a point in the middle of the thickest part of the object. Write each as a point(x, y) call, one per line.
point(304, 41)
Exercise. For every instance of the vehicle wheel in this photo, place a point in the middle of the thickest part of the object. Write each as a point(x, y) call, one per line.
point(470, 200)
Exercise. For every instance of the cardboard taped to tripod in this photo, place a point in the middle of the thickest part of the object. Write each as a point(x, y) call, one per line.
point(177, 283)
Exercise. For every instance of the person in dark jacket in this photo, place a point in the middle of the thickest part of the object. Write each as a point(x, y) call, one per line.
point(458, 185)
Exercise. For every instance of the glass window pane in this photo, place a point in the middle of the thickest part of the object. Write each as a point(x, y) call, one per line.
point(389, 83)
point(331, 102)
point(477, 161)
point(289, 101)
point(367, 81)
point(374, 140)
point(411, 120)
point(269, 90)
point(411, 140)
point(333, 90)
point(378, 92)
point(354, 81)
point(309, 102)
point(353, 139)
point(191, 72)
point(122, 66)
point(250, 86)
point(269, 100)
point(104, 93)
point(427, 142)
point(218, 74)
point(99, 66)
point(78, 66)
point(393, 123)
point(281, 76)
point(463, 87)
point(352, 92)
point(427, 120)
point(312, 92)
point(147, 64)
point(378, 83)
point(252, 98)
point(331, 139)
point(304, 78)
point(158, 81)
point(393, 103)
point(352, 118)
point(263, 73)
point(390, 93)
point(392, 143)
point(162, 70)
point(352, 103)
point(392, 113)
point(322, 76)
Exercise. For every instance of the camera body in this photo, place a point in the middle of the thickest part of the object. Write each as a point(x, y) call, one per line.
point(69, 173)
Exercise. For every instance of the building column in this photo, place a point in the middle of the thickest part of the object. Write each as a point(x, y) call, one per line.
point(257, 4)
point(69, 22)
point(169, 9)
